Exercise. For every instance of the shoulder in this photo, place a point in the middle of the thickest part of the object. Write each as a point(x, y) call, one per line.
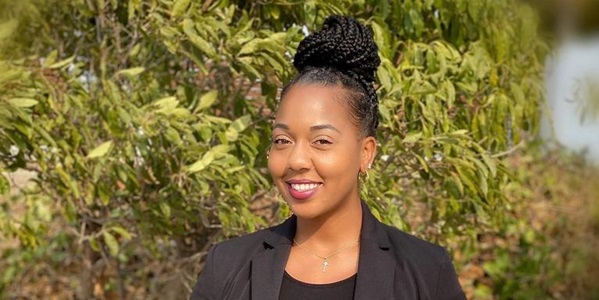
point(241, 248)
point(228, 265)
point(411, 248)
point(237, 246)
point(437, 276)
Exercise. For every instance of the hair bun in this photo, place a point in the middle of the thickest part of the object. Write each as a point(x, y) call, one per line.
point(343, 44)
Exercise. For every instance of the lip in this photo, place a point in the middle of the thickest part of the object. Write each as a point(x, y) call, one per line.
point(302, 195)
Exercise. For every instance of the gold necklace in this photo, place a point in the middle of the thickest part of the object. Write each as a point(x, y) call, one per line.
point(325, 259)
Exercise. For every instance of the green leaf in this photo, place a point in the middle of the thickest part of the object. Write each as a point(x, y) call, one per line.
point(93, 242)
point(11, 75)
point(412, 137)
point(196, 40)
point(45, 135)
point(179, 7)
point(165, 209)
point(4, 185)
point(62, 63)
point(101, 150)
point(458, 182)
point(166, 105)
point(518, 94)
point(207, 100)
point(490, 163)
point(173, 136)
point(50, 59)
point(216, 120)
point(208, 158)
point(483, 185)
point(273, 43)
point(132, 72)
point(236, 127)
point(245, 63)
point(201, 164)
point(467, 177)
point(23, 102)
point(111, 242)
point(122, 232)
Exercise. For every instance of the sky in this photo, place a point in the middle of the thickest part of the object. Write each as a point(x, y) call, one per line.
point(574, 62)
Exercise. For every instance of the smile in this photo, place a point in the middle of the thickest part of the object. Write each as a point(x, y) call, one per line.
point(302, 190)
point(304, 186)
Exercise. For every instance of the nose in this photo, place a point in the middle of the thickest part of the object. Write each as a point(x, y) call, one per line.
point(299, 158)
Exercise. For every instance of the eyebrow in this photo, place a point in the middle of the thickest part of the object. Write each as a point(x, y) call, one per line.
point(313, 128)
point(324, 126)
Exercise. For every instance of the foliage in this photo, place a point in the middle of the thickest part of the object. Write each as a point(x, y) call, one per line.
point(147, 122)
point(549, 245)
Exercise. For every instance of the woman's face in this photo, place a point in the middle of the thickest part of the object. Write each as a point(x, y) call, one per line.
point(317, 151)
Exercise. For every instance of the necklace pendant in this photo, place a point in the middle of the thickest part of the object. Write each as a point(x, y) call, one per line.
point(325, 264)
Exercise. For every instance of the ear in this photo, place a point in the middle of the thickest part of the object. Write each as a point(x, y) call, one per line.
point(368, 153)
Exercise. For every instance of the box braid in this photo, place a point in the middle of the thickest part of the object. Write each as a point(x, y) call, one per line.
point(343, 52)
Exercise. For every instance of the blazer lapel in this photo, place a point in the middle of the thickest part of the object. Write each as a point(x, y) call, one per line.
point(268, 266)
point(376, 266)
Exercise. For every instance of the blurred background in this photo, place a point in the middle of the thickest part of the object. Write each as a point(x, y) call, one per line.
point(133, 137)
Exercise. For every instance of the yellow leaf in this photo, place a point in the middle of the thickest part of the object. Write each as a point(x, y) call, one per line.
point(23, 102)
point(179, 7)
point(207, 100)
point(62, 63)
point(111, 242)
point(236, 127)
point(166, 105)
point(131, 72)
point(122, 232)
point(208, 158)
point(50, 59)
point(100, 150)
point(201, 164)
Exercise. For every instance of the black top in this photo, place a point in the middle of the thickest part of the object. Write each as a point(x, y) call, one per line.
point(293, 289)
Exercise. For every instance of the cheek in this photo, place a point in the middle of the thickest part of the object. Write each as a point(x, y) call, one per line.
point(337, 164)
point(276, 165)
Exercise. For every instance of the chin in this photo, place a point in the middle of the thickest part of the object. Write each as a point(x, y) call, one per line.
point(307, 211)
point(301, 210)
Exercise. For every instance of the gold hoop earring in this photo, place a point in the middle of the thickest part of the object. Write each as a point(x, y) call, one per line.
point(364, 175)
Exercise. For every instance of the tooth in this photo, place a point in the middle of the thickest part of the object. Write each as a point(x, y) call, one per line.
point(304, 186)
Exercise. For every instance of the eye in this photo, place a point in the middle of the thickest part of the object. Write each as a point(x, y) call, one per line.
point(322, 142)
point(280, 141)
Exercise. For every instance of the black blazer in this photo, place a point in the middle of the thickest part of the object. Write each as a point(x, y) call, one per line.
point(392, 265)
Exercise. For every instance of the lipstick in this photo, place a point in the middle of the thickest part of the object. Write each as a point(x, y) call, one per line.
point(302, 189)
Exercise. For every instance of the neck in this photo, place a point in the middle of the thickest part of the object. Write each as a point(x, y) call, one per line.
point(331, 231)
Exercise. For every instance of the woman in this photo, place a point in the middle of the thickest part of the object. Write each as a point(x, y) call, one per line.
point(323, 140)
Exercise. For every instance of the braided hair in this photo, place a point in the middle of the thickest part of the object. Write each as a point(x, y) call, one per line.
point(342, 53)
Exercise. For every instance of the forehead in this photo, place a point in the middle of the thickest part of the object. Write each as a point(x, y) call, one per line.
point(306, 105)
